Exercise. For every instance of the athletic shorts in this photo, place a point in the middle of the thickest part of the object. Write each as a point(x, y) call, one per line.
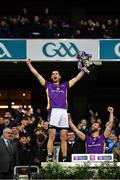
point(59, 118)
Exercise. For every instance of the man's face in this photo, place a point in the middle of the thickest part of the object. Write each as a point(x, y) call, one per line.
point(55, 76)
point(24, 122)
point(95, 126)
point(23, 140)
point(40, 131)
point(8, 114)
point(14, 130)
point(84, 122)
point(8, 134)
point(112, 135)
point(45, 125)
point(6, 120)
point(71, 136)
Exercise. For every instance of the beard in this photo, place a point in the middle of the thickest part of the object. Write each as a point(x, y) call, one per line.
point(94, 130)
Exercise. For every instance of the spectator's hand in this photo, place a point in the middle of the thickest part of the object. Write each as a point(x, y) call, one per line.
point(21, 127)
point(69, 117)
point(91, 112)
point(110, 109)
point(28, 61)
point(20, 109)
point(70, 120)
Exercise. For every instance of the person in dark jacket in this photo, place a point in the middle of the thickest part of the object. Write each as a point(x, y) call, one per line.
point(41, 147)
point(26, 152)
point(8, 154)
point(74, 146)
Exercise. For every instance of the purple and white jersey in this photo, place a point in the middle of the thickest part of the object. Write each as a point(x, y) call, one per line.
point(56, 95)
point(95, 145)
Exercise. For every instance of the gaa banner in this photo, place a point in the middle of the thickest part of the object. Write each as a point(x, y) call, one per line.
point(47, 49)
point(13, 50)
point(110, 50)
point(60, 49)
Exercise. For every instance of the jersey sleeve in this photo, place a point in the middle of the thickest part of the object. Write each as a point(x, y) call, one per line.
point(66, 85)
point(46, 84)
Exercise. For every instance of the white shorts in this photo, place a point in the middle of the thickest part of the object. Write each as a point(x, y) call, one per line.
point(59, 118)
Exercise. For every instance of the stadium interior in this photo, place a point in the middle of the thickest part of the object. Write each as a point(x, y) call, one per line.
point(102, 86)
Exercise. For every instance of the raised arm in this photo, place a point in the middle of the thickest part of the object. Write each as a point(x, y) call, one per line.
point(110, 122)
point(35, 73)
point(75, 129)
point(76, 79)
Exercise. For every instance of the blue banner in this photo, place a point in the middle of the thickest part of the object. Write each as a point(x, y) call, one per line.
point(109, 49)
point(13, 49)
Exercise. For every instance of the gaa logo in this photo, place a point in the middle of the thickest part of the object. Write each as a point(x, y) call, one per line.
point(61, 49)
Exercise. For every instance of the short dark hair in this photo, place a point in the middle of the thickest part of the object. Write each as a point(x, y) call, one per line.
point(23, 134)
point(56, 70)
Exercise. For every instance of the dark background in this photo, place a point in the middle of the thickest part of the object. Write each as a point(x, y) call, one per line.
point(94, 7)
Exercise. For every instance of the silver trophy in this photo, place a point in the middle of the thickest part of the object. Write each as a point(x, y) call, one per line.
point(84, 63)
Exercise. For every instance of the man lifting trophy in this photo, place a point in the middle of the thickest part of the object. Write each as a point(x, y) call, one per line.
point(57, 101)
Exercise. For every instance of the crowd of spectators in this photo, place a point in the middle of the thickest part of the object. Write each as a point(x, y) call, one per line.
point(109, 28)
point(34, 27)
point(30, 131)
point(45, 27)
